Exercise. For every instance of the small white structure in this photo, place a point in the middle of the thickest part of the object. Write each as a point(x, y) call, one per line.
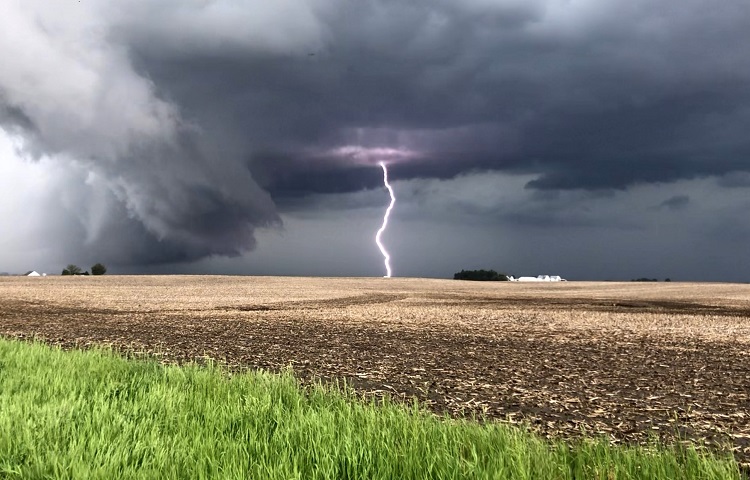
point(33, 273)
point(541, 278)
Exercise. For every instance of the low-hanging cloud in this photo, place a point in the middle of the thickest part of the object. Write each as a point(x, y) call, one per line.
point(187, 125)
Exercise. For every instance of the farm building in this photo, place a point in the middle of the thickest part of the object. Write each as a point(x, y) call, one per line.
point(541, 278)
point(33, 273)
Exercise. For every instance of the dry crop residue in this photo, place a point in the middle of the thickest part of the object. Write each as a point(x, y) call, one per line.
point(628, 361)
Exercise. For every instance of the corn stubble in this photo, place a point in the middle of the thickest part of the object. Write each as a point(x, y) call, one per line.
point(95, 415)
point(625, 363)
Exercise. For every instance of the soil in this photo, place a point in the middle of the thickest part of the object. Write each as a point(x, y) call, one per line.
point(630, 362)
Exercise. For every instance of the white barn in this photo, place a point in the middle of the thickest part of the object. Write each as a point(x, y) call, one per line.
point(33, 273)
point(541, 278)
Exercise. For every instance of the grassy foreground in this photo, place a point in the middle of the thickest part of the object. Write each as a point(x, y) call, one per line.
point(93, 414)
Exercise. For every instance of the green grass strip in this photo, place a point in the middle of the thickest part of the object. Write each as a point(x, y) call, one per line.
point(93, 414)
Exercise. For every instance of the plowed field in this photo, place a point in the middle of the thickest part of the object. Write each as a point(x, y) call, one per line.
point(630, 361)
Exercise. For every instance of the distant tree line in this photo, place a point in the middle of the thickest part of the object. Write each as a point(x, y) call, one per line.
point(481, 276)
point(97, 269)
point(644, 279)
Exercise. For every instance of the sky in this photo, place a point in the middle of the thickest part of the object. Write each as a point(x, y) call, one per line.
point(592, 139)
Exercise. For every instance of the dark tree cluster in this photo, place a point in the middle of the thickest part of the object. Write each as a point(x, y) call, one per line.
point(481, 275)
point(73, 270)
point(98, 269)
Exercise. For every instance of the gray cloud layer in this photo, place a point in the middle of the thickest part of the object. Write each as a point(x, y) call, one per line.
point(587, 95)
point(198, 120)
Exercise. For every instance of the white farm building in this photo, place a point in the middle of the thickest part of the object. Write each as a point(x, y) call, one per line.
point(34, 273)
point(540, 278)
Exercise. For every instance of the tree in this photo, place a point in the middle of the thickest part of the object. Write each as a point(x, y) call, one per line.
point(480, 275)
point(98, 269)
point(72, 270)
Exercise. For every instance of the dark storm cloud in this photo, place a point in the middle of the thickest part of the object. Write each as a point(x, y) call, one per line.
point(587, 96)
point(290, 176)
point(677, 202)
point(199, 118)
point(14, 118)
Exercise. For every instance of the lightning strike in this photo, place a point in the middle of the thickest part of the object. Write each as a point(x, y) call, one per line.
point(386, 256)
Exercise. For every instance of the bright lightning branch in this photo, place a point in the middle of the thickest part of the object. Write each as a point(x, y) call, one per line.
point(386, 256)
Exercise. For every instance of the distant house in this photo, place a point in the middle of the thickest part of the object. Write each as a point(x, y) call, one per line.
point(32, 273)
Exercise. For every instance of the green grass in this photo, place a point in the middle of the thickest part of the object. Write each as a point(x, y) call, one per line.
point(93, 414)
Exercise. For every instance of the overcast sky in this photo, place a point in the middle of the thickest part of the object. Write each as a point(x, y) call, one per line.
point(593, 139)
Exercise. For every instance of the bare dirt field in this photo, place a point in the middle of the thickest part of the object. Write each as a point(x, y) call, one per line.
point(630, 361)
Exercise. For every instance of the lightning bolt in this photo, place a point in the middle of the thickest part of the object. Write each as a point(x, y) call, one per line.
point(386, 256)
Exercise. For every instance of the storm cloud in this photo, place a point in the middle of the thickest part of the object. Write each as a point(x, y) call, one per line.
point(179, 128)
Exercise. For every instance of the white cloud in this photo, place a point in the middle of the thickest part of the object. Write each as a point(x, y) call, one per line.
point(29, 209)
point(79, 90)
